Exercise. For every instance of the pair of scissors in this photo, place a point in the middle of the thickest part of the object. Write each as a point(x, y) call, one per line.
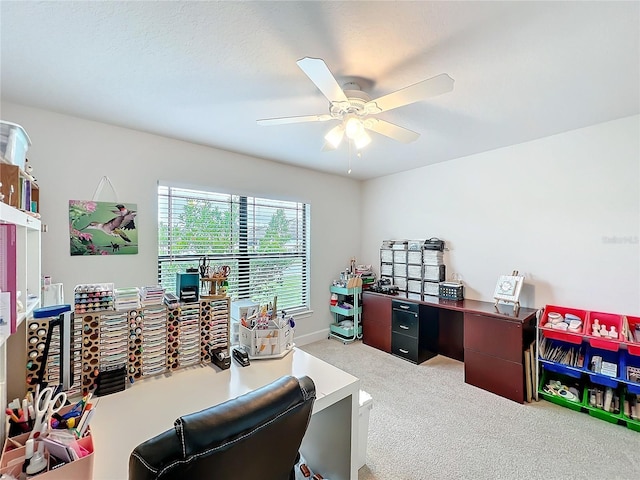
point(47, 403)
point(203, 266)
point(222, 270)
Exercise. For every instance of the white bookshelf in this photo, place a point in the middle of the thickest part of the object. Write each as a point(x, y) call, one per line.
point(13, 347)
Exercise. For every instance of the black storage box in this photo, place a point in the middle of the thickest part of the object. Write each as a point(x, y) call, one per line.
point(451, 291)
point(434, 244)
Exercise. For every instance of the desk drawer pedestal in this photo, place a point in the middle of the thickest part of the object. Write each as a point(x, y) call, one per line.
point(493, 355)
point(494, 374)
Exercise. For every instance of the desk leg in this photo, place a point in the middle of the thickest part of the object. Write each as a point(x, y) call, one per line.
point(329, 445)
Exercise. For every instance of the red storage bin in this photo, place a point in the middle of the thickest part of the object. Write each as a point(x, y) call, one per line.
point(608, 320)
point(565, 336)
point(633, 347)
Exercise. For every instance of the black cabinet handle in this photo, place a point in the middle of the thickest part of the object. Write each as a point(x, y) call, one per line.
point(404, 327)
point(404, 351)
point(404, 307)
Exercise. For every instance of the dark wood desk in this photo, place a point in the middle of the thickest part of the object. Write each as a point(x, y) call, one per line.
point(491, 342)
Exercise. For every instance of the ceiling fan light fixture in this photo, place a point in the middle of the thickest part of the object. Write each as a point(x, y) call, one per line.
point(362, 140)
point(335, 135)
point(354, 127)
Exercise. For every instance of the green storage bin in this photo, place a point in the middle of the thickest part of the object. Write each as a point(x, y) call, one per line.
point(598, 412)
point(568, 381)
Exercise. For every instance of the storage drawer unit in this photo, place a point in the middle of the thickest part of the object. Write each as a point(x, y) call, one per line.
point(405, 346)
point(405, 318)
point(413, 336)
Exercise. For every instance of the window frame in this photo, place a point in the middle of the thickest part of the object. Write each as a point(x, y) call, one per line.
point(240, 254)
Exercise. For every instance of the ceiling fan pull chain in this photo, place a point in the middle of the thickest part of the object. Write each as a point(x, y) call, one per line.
point(349, 171)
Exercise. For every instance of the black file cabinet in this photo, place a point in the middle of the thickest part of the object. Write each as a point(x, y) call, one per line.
point(414, 331)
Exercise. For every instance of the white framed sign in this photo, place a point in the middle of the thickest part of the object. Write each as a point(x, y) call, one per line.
point(508, 288)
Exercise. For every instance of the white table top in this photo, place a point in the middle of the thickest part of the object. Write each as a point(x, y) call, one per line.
point(124, 420)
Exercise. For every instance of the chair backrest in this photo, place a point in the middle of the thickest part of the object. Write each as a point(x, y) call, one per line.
point(256, 435)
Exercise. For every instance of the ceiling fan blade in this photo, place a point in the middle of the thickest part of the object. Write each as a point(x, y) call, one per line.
point(305, 118)
point(430, 87)
point(321, 76)
point(391, 130)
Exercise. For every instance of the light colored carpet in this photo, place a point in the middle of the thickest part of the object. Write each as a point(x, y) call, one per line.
point(426, 423)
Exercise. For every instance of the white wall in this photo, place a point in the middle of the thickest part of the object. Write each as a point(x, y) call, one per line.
point(70, 156)
point(564, 210)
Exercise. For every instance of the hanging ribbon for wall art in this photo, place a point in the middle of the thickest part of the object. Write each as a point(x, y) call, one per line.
point(103, 228)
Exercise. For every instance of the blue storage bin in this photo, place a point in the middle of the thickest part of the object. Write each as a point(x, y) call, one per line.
point(552, 365)
point(633, 361)
point(562, 369)
point(607, 356)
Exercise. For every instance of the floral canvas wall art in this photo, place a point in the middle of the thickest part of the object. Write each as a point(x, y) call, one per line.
point(102, 228)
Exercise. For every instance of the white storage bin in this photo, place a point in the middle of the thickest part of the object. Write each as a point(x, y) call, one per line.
point(366, 404)
point(386, 256)
point(431, 288)
point(386, 269)
point(400, 282)
point(400, 256)
point(414, 271)
point(14, 143)
point(414, 257)
point(414, 286)
point(399, 270)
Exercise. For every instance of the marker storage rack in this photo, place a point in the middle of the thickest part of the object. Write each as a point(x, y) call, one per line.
point(96, 297)
point(154, 341)
point(114, 348)
point(189, 334)
point(214, 327)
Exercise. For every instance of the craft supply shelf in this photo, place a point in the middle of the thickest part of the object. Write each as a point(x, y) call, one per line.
point(604, 371)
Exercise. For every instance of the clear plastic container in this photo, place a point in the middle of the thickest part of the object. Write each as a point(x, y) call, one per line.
point(14, 143)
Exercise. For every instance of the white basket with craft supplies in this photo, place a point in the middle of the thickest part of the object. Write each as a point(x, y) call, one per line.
point(274, 341)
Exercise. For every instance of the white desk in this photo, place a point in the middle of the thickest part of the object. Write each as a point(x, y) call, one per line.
point(149, 407)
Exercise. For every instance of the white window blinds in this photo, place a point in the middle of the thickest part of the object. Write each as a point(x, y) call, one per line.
point(265, 242)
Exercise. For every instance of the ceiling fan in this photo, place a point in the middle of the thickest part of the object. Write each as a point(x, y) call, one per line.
point(356, 111)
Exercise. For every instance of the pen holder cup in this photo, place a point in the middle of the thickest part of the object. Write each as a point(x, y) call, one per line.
point(19, 428)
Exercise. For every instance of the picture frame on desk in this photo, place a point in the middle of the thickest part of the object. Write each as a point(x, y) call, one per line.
point(508, 289)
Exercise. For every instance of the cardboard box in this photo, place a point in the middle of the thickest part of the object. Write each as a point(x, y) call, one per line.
point(10, 177)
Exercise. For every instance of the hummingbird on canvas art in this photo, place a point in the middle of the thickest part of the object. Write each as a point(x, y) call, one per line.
point(116, 226)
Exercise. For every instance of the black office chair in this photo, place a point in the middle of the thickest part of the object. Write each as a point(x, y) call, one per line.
point(256, 435)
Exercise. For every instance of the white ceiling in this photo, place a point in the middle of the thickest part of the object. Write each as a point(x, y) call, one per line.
point(205, 72)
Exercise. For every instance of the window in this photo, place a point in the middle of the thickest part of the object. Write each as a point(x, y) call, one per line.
point(264, 241)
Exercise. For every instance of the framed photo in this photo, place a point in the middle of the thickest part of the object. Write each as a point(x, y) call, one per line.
point(508, 288)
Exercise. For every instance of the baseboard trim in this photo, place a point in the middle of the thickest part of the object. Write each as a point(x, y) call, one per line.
point(311, 337)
